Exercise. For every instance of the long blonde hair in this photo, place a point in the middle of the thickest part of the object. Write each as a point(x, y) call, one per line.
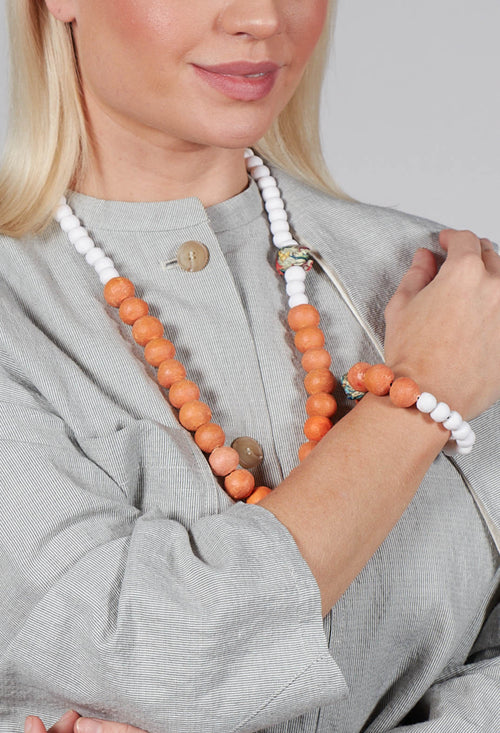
point(47, 146)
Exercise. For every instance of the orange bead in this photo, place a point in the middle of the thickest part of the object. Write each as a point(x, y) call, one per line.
point(378, 379)
point(309, 337)
point(316, 359)
point(239, 484)
point(158, 350)
point(301, 316)
point(321, 404)
point(306, 448)
point(193, 414)
point(404, 392)
point(319, 380)
point(209, 436)
point(316, 427)
point(223, 460)
point(170, 371)
point(183, 391)
point(259, 493)
point(356, 374)
point(117, 289)
point(131, 309)
point(145, 329)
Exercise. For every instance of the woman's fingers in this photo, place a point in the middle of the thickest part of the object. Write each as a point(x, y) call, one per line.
point(490, 257)
point(65, 724)
point(92, 725)
point(421, 272)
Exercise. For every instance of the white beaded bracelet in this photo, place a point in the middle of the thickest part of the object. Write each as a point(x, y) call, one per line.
point(440, 412)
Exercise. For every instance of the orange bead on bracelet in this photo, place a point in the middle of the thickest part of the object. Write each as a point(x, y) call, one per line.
point(404, 392)
point(378, 379)
point(316, 427)
point(259, 493)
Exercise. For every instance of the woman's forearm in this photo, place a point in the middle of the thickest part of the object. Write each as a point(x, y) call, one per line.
point(343, 500)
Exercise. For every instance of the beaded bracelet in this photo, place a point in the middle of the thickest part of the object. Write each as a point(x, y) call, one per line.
point(380, 380)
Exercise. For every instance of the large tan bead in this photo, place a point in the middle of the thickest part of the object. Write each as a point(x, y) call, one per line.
point(223, 460)
point(249, 451)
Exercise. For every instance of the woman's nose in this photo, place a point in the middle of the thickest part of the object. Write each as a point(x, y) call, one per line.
point(259, 19)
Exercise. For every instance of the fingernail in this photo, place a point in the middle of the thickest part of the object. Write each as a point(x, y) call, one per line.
point(88, 725)
point(28, 725)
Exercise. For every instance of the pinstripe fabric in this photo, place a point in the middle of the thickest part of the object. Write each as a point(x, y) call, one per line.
point(131, 587)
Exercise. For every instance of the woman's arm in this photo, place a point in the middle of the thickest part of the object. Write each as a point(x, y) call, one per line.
point(442, 330)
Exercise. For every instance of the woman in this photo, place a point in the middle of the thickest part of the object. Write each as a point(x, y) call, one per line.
point(359, 594)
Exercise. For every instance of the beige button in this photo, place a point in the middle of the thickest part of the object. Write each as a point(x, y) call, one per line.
point(193, 256)
point(249, 451)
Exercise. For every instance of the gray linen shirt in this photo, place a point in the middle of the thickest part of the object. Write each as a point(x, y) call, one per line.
point(132, 587)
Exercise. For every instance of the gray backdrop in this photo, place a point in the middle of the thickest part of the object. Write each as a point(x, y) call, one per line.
point(411, 108)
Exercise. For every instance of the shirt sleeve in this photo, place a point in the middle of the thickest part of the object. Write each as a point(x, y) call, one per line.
point(130, 615)
point(467, 699)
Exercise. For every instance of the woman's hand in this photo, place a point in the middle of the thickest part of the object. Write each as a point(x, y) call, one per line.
point(71, 722)
point(443, 329)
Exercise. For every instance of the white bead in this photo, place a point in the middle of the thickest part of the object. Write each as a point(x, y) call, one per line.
point(84, 245)
point(253, 161)
point(63, 201)
point(69, 222)
point(450, 448)
point(75, 234)
point(272, 192)
point(94, 254)
point(441, 412)
point(260, 171)
point(454, 421)
point(279, 226)
point(464, 450)
point(277, 215)
point(102, 264)
point(299, 299)
point(274, 204)
point(248, 153)
point(267, 182)
point(295, 287)
point(462, 432)
point(468, 441)
point(62, 211)
point(426, 402)
point(283, 239)
point(108, 274)
point(296, 272)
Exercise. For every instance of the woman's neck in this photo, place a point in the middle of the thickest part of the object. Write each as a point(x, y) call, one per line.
point(129, 165)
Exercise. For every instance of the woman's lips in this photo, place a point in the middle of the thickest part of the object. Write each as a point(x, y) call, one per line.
point(240, 80)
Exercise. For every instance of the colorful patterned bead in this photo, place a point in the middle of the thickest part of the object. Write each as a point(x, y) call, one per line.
point(351, 393)
point(294, 255)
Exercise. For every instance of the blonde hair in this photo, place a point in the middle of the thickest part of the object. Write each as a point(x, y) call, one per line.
point(47, 145)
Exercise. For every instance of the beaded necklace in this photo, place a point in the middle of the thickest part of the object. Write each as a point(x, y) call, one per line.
point(293, 261)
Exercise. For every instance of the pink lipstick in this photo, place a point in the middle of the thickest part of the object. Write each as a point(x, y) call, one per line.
point(241, 80)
